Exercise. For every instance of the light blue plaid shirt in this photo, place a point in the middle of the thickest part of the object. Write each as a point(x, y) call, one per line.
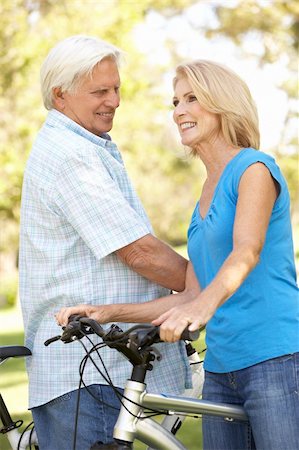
point(78, 208)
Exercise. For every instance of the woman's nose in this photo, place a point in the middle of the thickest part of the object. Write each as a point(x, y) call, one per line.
point(178, 111)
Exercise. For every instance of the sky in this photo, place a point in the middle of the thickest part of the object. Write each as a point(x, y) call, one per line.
point(263, 82)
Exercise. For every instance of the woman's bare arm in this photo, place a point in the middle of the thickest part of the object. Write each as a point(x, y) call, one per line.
point(257, 195)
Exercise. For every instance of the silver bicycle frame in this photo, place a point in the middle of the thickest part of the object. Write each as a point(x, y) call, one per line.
point(133, 424)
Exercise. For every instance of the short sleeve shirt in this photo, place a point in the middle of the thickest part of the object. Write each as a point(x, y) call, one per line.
point(78, 208)
point(260, 320)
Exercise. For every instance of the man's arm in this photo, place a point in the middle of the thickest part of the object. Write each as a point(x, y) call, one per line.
point(134, 312)
point(89, 198)
point(156, 261)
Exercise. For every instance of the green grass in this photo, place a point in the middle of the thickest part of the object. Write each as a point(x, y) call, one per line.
point(14, 385)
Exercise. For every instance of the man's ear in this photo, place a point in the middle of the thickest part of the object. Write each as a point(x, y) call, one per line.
point(58, 98)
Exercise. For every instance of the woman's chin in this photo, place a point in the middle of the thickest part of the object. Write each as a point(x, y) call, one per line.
point(189, 142)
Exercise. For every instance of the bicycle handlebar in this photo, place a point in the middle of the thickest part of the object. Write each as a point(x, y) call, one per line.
point(135, 343)
point(145, 334)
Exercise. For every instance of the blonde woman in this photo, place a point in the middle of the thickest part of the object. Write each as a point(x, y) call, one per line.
point(240, 246)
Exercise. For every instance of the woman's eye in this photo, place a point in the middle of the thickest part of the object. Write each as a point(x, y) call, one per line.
point(175, 103)
point(192, 98)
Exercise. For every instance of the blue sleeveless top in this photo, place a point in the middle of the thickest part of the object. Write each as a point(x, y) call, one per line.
point(261, 319)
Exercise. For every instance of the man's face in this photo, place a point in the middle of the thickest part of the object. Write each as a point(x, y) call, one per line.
point(96, 99)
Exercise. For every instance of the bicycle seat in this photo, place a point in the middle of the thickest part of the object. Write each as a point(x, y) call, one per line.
point(8, 351)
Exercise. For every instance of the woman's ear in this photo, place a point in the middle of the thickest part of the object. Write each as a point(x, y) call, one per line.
point(58, 98)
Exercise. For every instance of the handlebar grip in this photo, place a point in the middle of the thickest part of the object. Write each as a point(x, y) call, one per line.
point(94, 325)
point(74, 318)
point(190, 335)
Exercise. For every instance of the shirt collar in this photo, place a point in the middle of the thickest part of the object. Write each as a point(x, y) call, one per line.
point(57, 119)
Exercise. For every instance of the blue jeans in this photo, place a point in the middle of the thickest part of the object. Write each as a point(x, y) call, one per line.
point(269, 394)
point(55, 420)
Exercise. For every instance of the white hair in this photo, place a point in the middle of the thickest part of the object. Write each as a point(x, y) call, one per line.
point(70, 60)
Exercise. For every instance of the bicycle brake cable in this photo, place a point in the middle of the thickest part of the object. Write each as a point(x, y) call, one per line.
point(22, 435)
point(108, 380)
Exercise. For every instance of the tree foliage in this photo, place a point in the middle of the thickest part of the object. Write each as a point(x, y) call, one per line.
point(276, 24)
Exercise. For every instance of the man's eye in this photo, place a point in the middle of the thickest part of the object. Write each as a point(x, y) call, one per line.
point(100, 92)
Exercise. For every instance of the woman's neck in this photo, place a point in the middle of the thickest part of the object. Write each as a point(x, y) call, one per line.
point(215, 156)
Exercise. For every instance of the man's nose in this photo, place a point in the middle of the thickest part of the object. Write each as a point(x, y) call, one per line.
point(113, 99)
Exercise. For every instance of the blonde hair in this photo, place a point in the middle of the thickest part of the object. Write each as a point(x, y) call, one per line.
point(221, 91)
point(72, 59)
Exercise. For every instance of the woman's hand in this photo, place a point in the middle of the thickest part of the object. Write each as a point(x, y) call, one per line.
point(101, 313)
point(193, 315)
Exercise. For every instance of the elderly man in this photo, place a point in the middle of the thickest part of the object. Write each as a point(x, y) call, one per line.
point(85, 238)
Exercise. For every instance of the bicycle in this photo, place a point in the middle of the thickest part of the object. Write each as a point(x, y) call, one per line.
point(20, 441)
point(134, 421)
point(137, 405)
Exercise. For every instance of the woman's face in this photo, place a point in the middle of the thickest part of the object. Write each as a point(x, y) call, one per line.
point(195, 124)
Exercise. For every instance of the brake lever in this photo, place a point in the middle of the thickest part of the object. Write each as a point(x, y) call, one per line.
point(71, 332)
point(53, 339)
point(67, 336)
point(75, 330)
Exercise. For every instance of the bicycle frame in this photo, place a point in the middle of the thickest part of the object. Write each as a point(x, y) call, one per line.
point(133, 424)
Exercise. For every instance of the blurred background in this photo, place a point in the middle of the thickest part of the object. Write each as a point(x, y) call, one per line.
point(256, 38)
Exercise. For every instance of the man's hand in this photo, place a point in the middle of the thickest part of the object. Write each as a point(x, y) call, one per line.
point(101, 313)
